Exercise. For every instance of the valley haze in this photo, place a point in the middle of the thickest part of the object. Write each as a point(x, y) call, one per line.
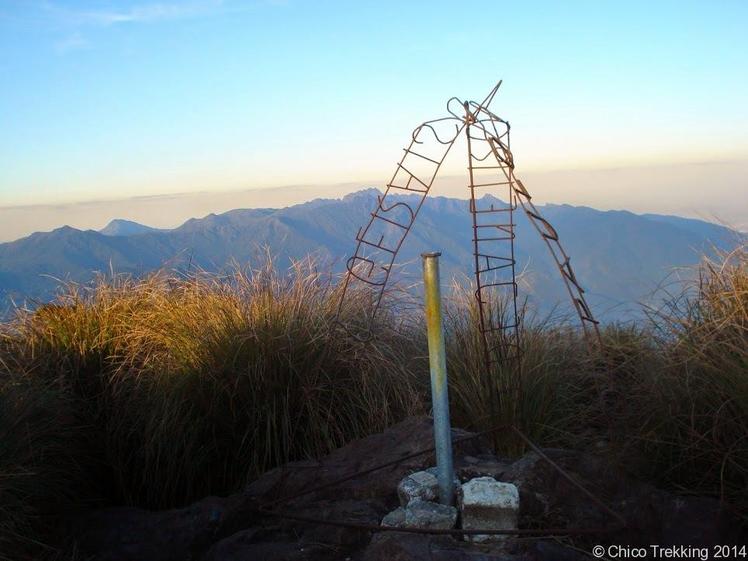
point(675, 188)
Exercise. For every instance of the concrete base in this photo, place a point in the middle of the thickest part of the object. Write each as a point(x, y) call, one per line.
point(487, 503)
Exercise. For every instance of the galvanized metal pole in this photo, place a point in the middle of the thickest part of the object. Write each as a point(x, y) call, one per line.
point(439, 387)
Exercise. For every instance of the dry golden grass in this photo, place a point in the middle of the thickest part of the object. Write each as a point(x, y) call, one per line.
point(692, 425)
point(668, 399)
point(159, 391)
point(185, 387)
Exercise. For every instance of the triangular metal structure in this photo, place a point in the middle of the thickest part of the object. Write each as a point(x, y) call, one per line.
point(490, 170)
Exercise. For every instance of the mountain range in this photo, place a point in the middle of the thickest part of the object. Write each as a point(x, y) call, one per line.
point(619, 257)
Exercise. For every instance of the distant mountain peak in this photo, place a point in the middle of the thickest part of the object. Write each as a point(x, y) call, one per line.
point(122, 227)
point(60, 232)
point(363, 193)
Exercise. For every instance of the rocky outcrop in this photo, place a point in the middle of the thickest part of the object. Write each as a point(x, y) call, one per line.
point(234, 529)
point(420, 485)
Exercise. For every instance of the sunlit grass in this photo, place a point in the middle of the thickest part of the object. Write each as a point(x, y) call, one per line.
point(159, 391)
point(667, 399)
point(193, 386)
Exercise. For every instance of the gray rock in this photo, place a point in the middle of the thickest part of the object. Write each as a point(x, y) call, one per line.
point(420, 485)
point(395, 519)
point(455, 480)
point(423, 514)
point(487, 503)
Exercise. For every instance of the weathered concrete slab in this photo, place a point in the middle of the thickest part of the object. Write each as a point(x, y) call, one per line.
point(487, 503)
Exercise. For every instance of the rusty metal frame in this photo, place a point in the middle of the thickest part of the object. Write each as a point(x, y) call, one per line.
point(373, 268)
point(499, 143)
point(375, 253)
point(493, 252)
point(481, 128)
point(362, 266)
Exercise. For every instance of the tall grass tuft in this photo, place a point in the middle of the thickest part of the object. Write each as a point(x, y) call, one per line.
point(668, 399)
point(546, 393)
point(192, 386)
point(692, 426)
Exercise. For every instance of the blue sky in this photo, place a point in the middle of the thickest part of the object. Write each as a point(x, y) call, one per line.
point(103, 100)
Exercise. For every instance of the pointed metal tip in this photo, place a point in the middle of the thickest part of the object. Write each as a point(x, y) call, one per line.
point(490, 96)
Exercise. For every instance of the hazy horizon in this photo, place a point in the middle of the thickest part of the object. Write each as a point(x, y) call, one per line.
point(661, 189)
